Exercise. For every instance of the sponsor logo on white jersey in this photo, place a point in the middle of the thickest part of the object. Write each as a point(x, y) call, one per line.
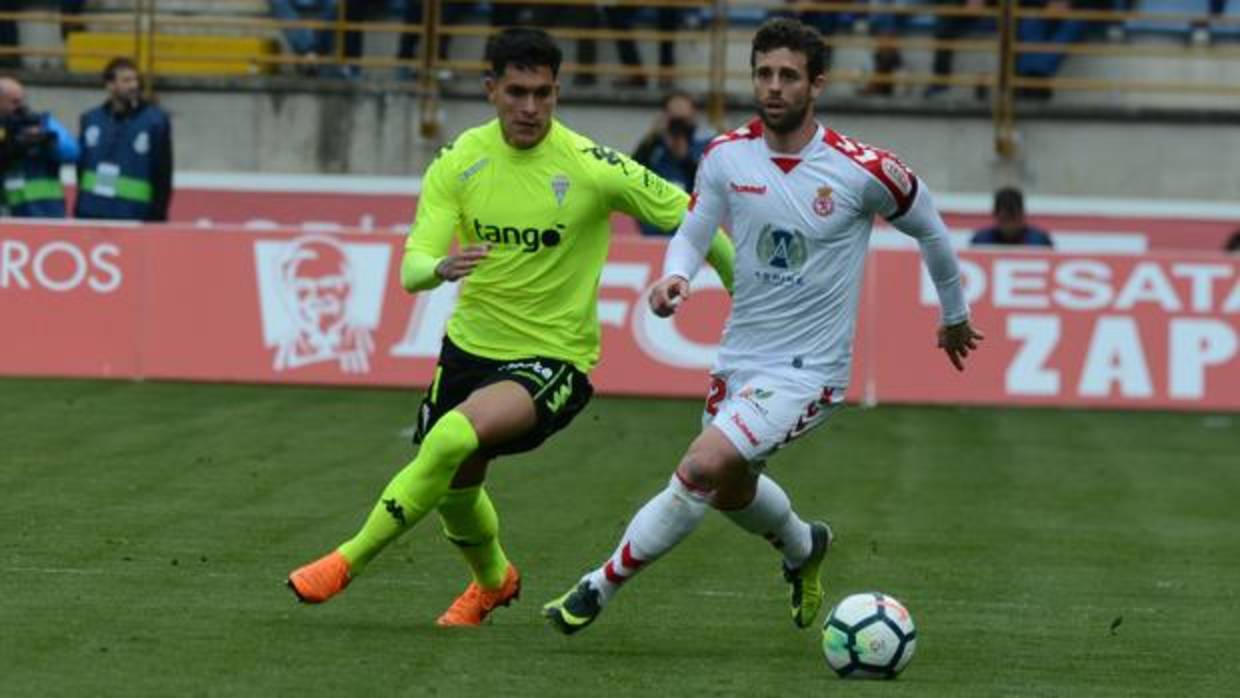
point(758, 189)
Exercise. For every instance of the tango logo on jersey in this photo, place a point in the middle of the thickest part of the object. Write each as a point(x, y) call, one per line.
point(528, 239)
point(321, 300)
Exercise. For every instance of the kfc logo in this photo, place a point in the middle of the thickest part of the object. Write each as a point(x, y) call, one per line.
point(321, 300)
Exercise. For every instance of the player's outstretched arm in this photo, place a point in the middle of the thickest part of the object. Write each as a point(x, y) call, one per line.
point(956, 336)
point(958, 340)
point(635, 190)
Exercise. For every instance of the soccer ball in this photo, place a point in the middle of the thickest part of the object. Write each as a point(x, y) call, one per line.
point(869, 636)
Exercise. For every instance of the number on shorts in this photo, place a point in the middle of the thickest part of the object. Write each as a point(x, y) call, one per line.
point(718, 391)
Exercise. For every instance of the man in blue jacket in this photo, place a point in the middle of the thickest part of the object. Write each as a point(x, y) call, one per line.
point(32, 148)
point(1010, 227)
point(125, 171)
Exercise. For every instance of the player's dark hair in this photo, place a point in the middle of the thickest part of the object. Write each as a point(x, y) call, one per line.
point(524, 47)
point(116, 65)
point(1010, 201)
point(785, 32)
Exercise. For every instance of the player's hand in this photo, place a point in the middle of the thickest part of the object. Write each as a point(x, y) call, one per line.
point(458, 266)
point(668, 294)
point(958, 340)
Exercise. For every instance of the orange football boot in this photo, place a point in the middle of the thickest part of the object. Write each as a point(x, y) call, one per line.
point(320, 580)
point(473, 606)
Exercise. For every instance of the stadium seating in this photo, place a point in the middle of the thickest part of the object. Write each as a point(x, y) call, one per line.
point(1229, 30)
point(1179, 28)
point(180, 49)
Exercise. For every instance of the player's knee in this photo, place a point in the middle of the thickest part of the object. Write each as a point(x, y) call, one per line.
point(705, 468)
point(500, 415)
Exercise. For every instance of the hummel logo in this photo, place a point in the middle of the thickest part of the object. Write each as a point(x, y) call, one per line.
point(748, 188)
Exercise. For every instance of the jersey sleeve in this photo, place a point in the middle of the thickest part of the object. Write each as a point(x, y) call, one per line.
point(922, 221)
point(890, 187)
point(631, 188)
point(706, 212)
point(430, 237)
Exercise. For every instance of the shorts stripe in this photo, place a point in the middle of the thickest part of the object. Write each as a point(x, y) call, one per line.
point(435, 383)
point(551, 382)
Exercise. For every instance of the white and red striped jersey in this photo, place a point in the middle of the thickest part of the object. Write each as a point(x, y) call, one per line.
point(801, 224)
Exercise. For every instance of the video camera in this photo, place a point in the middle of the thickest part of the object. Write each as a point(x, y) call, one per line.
point(22, 135)
point(679, 126)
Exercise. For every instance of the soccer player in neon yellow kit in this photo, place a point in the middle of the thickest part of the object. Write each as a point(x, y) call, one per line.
point(529, 201)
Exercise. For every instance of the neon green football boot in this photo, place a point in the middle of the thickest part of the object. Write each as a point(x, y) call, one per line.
point(574, 610)
point(806, 581)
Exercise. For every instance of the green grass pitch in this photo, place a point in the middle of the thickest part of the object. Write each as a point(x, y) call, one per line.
point(145, 531)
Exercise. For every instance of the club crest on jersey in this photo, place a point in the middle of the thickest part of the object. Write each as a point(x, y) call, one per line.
point(823, 203)
point(559, 185)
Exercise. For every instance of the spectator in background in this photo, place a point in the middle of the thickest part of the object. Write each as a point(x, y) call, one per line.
point(32, 149)
point(303, 41)
point(887, 59)
point(1050, 30)
point(449, 13)
point(586, 16)
point(70, 9)
point(8, 35)
point(952, 28)
point(1010, 227)
point(1233, 243)
point(673, 146)
point(125, 169)
point(667, 19)
point(827, 22)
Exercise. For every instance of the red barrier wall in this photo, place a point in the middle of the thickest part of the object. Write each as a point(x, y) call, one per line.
point(1159, 330)
point(332, 211)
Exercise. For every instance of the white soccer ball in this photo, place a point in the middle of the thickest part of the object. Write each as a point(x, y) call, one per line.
point(869, 636)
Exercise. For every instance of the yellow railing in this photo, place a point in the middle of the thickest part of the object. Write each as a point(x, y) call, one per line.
point(143, 21)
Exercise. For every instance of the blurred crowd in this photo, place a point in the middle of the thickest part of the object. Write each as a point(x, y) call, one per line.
point(878, 18)
point(944, 20)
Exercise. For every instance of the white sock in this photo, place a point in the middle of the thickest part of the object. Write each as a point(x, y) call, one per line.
point(668, 518)
point(770, 515)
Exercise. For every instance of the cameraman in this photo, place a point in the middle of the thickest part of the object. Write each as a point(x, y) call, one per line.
point(32, 148)
point(674, 145)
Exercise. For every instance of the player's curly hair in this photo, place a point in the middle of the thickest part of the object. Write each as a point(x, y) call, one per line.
point(524, 47)
point(792, 34)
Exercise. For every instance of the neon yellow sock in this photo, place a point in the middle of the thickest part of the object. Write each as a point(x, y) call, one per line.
point(415, 490)
point(470, 522)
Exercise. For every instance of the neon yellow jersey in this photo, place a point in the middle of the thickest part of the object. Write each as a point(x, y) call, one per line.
point(545, 214)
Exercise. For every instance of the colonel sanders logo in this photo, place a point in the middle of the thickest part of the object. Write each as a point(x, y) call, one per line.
point(321, 300)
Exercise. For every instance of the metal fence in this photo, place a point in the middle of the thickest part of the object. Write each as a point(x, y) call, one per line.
point(713, 27)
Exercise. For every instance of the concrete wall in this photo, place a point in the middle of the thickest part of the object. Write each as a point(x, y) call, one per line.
point(373, 133)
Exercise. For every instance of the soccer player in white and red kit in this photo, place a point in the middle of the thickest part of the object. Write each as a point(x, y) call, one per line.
point(799, 200)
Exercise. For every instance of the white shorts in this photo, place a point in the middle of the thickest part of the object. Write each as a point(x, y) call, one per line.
point(761, 411)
